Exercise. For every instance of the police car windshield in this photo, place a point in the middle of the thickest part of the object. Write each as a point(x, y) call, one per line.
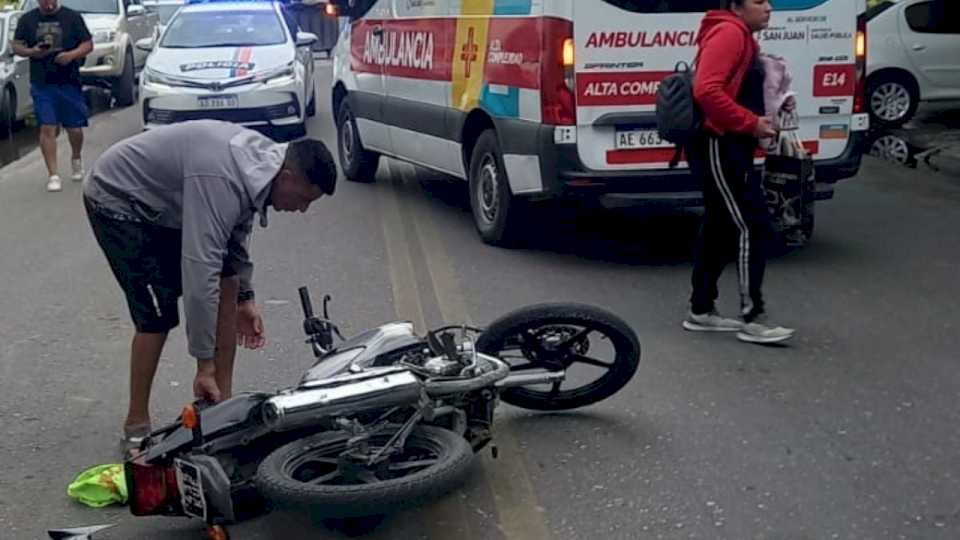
point(83, 6)
point(223, 29)
point(163, 11)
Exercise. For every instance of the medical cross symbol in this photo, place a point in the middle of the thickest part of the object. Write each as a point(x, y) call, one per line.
point(469, 54)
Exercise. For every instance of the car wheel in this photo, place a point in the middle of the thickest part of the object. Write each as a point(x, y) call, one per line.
point(8, 113)
point(124, 86)
point(495, 210)
point(891, 148)
point(893, 100)
point(358, 163)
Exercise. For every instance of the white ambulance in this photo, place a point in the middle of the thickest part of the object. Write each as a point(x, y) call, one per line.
point(534, 99)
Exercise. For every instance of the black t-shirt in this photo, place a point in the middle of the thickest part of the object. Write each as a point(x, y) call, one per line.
point(64, 31)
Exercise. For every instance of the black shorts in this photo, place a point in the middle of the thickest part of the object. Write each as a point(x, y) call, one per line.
point(145, 259)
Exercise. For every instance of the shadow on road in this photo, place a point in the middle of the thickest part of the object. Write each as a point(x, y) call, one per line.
point(23, 139)
point(656, 237)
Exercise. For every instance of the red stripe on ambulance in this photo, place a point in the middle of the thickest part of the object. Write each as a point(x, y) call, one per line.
point(619, 88)
point(664, 155)
point(416, 48)
point(513, 54)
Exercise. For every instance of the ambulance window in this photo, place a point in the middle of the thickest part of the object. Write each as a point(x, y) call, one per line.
point(934, 17)
point(668, 6)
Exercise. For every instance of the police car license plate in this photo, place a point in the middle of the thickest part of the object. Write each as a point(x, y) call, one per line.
point(219, 102)
point(190, 483)
point(635, 139)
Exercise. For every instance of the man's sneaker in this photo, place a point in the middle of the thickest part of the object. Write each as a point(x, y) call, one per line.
point(77, 166)
point(711, 322)
point(54, 183)
point(761, 331)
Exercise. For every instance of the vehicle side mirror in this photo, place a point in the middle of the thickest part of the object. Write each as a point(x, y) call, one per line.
point(306, 39)
point(134, 10)
point(145, 44)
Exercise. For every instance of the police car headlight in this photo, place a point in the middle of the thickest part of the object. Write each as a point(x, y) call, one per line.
point(281, 75)
point(104, 36)
point(150, 76)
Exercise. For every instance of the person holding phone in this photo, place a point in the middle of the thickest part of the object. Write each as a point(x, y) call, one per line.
point(56, 40)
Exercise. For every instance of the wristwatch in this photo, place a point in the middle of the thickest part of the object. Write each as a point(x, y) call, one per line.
point(245, 296)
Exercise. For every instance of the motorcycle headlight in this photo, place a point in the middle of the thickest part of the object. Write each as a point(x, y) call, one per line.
point(104, 36)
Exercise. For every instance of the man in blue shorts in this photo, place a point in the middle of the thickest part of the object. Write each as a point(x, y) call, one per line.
point(56, 40)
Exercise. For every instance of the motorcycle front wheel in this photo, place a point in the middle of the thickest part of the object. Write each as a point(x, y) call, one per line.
point(598, 351)
point(311, 474)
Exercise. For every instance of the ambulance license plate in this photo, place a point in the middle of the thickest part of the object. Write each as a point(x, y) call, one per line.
point(190, 483)
point(636, 139)
point(219, 102)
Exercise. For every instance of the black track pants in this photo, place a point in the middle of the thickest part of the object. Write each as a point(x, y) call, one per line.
point(735, 226)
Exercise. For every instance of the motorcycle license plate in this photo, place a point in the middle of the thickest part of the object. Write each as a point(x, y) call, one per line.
point(190, 483)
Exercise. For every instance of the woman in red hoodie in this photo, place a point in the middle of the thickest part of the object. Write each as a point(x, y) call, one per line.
point(728, 87)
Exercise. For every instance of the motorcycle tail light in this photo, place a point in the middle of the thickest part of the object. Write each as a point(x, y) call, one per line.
point(151, 489)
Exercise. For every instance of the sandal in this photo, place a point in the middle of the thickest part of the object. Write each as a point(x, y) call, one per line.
point(131, 440)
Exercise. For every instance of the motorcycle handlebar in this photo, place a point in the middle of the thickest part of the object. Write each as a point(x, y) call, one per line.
point(305, 303)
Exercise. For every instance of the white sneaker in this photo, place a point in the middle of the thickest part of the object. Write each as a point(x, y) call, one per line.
point(77, 166)
point(764, 333)
point(54, 183)
point(711, 322)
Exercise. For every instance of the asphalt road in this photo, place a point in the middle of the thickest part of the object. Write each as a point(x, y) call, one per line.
point(849, 432)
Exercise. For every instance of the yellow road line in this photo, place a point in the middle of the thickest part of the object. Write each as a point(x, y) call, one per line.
point(518, 509)
point(442, 518)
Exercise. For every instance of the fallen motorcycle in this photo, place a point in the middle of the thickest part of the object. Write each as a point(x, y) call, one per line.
point(383, 421)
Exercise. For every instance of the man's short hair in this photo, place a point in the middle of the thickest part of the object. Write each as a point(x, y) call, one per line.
point(310, 158)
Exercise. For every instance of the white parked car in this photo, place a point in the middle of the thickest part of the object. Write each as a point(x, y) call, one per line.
point(15, 101)
point(232, 61)
point(913, 56)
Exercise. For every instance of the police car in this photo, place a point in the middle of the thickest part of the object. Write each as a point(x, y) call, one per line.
point(532, 99)
point(232, 61)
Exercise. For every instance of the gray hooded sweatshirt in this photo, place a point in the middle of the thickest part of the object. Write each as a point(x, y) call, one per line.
point(206, 178)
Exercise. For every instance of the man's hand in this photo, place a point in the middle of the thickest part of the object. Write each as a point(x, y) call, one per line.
point(205, 383)
point(36, 52)
point(764, 128)
point(250, 332)
point(64, 58)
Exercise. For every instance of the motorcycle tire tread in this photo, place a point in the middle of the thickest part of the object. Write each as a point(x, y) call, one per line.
point(365, 499)
point(625, 366)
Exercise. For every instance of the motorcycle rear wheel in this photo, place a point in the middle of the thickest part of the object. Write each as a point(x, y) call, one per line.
point(557, 336)
point(306, 475)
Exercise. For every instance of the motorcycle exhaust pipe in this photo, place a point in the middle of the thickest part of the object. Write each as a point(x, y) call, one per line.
point(351, 394)
point(527, 379)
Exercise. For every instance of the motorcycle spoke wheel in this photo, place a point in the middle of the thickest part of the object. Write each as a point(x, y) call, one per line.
point(321, 464)
point(596, 350)
point(314, 475)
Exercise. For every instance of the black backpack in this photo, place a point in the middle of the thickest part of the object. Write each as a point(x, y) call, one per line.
point(678, 117)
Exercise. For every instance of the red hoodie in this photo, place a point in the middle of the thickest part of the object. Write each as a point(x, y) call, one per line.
point(727, 50)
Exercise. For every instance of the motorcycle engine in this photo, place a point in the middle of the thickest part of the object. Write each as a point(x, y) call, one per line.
point(442, 366)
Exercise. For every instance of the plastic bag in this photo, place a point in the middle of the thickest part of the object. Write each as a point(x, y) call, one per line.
point(100, 486)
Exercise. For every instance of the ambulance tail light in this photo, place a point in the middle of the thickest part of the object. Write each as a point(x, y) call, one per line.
point(860, 51)
point(557, 80)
